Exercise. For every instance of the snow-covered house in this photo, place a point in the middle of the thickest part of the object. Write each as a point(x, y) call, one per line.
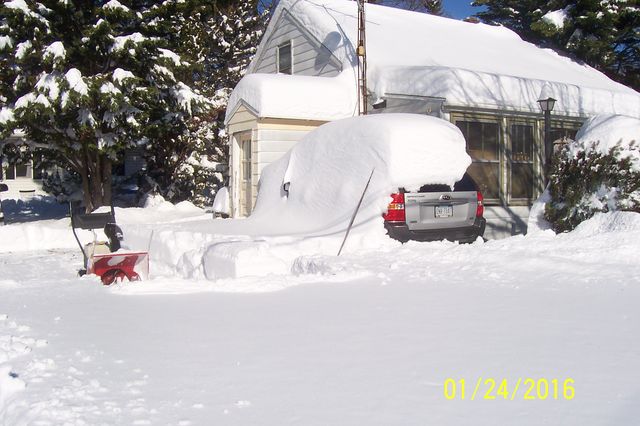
point(484, 79)
point(25, 178)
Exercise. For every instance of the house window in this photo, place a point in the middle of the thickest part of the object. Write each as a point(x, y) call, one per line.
point(562, 131)
point(520, 159)
point(18, 170)
point(483, 146)
point(285, 62)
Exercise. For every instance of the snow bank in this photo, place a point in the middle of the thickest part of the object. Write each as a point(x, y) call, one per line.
point(328, 170)
point(41, 235)
point(603, 132)
point(537, 221)
point(611, 222)
point(325, 175)
point(57, 234)
point(221, 201)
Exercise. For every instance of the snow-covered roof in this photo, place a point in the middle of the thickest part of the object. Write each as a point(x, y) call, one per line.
point(425, 55)
point(295, 96)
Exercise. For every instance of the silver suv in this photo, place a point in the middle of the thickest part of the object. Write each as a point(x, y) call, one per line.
point(436, 212)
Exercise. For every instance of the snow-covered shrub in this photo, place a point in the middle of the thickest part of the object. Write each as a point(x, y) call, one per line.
point(64, 185)
point(598, 173)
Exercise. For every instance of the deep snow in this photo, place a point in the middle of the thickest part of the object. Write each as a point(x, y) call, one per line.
point(367, 338)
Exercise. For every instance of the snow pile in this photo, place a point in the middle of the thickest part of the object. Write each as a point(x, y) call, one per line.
point(221, 201)
point(328, 170)
point(537, 221)
point(307, 198)
point(57, 234)
point(611, 222)
point(603, 132)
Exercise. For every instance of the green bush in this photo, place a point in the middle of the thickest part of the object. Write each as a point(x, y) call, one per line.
point(585, 181)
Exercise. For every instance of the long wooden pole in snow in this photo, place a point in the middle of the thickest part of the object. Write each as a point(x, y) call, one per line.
point(353, 217)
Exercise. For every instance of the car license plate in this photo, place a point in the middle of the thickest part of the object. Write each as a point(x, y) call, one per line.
point(444, 211)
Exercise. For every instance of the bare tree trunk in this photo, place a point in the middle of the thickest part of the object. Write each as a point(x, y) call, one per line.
point(86, 188)
point(106, 180)
point(96, 181)
point(95, 169)
point(86, 180)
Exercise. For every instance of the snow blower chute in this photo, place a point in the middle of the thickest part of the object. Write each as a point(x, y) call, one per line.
point(105, 258)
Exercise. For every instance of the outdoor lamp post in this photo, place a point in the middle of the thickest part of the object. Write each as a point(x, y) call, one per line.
point(546, 105)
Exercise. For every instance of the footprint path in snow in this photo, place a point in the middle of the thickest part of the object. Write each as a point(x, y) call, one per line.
point(44, 391)
point(13, 346)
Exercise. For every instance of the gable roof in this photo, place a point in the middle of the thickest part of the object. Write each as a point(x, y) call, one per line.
point(468, 64)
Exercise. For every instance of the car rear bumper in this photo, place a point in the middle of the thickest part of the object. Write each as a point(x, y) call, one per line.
point(469, 234)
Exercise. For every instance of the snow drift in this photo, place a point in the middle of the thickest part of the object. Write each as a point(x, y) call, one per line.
point(307, 198)
point(603, 132)
point(327, 171)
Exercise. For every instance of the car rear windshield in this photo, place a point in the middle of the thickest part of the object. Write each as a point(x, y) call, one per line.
point(464, 184)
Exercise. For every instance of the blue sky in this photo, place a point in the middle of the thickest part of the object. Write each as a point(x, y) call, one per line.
point(459, 9)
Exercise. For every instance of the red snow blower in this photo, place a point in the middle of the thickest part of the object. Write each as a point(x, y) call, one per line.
point(105, 258)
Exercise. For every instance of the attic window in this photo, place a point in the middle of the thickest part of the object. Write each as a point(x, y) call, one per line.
point(284, 59)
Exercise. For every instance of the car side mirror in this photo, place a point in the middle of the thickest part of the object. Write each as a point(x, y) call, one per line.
point(285, 187)
point(3, 187)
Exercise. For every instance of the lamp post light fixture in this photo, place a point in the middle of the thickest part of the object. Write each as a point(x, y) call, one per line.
point(546, 105)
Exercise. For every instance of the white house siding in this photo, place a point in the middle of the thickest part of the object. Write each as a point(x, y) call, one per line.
point(242, 122)
point(310, 56)
point(274, 143)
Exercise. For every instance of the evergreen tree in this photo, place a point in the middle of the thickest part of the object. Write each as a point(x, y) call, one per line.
point(602, 33)
point(90, 79)
point(220, 41)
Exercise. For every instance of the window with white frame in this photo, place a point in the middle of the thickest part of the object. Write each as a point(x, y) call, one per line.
point(15, 170)
point(285, 58)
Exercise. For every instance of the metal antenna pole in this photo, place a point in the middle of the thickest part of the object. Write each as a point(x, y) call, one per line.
point(362, 60)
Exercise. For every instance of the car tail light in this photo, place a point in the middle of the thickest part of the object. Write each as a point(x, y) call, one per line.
point(395, 210)
point(480, 208)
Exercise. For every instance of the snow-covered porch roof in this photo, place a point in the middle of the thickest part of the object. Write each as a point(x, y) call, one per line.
point(472, 65)
point(295, 97)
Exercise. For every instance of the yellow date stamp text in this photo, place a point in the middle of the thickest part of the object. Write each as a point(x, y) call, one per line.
point(521, 388)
